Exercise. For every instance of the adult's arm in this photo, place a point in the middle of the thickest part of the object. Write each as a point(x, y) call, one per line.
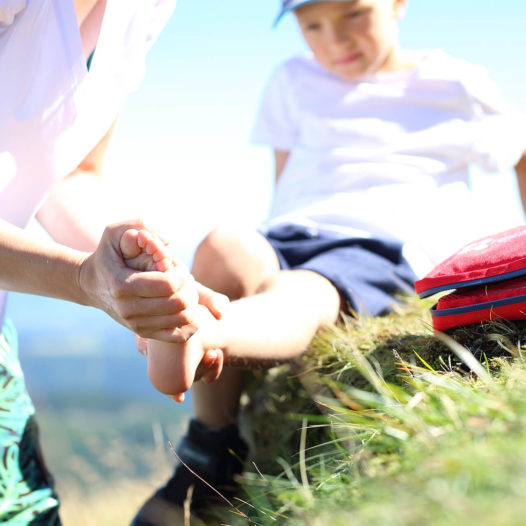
point(75, 214)
point(152, 304)
point(520, 170)
point(78, 208)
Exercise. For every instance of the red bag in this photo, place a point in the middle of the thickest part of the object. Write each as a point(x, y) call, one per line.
point(488, 279)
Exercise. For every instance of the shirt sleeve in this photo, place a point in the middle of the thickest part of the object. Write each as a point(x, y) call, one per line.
point(275, 124)
point(500, 131)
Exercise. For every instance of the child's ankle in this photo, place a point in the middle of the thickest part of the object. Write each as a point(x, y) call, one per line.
point(212, 334)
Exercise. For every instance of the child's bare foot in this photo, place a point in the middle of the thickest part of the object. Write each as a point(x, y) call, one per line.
point(141, 250)
point(172, 367)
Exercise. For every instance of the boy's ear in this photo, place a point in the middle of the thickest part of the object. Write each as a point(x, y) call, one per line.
point(399, 8)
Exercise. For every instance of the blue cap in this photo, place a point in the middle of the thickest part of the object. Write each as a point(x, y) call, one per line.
point(290, 5)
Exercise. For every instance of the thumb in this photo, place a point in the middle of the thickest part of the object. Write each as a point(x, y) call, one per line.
point(215, 302)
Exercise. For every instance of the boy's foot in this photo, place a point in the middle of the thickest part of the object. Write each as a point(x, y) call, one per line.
point(172, 367)
point(141, 250)
point(214, 455)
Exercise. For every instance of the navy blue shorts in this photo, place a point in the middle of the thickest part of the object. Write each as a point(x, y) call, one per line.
point(369, 273)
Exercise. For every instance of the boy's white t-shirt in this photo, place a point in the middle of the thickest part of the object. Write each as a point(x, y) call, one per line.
point(52, 110)
point(388, 156)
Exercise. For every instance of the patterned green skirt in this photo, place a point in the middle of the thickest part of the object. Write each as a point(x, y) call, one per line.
point(27, 496)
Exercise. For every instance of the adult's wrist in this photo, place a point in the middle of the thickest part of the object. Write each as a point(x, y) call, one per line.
point(80, 280)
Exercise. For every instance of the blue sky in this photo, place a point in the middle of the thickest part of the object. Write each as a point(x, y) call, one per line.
point(181, 155)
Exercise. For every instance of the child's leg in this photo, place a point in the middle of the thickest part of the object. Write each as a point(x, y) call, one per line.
point(275, 318)
point(271, 327)
point(242, 261)
point(274, 323)
point(245, 265)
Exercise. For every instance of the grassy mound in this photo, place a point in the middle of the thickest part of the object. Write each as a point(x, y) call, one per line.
point(381, 422)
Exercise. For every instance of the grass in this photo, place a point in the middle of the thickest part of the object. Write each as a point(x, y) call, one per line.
point(382, 423)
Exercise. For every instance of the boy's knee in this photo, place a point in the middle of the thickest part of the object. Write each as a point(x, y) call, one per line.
point(214, 263)
point(233, 262)
point(219, 242)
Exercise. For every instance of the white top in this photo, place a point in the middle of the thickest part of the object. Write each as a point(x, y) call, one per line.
point(387, 156)
point(52, 111)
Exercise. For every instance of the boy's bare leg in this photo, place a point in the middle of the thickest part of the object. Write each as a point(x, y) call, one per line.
point(242, 262)
point(272, 327)
point(274, 323)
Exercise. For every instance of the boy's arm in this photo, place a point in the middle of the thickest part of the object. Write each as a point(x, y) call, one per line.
point(520, 170)
point(280, 160)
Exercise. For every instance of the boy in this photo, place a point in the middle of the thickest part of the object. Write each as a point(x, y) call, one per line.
point(372, 146)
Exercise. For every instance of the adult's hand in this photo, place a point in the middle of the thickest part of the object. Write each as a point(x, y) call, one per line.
point(215, 302)
point(152, 304)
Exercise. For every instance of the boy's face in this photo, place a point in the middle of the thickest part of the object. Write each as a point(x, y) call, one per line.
point(352, 39)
